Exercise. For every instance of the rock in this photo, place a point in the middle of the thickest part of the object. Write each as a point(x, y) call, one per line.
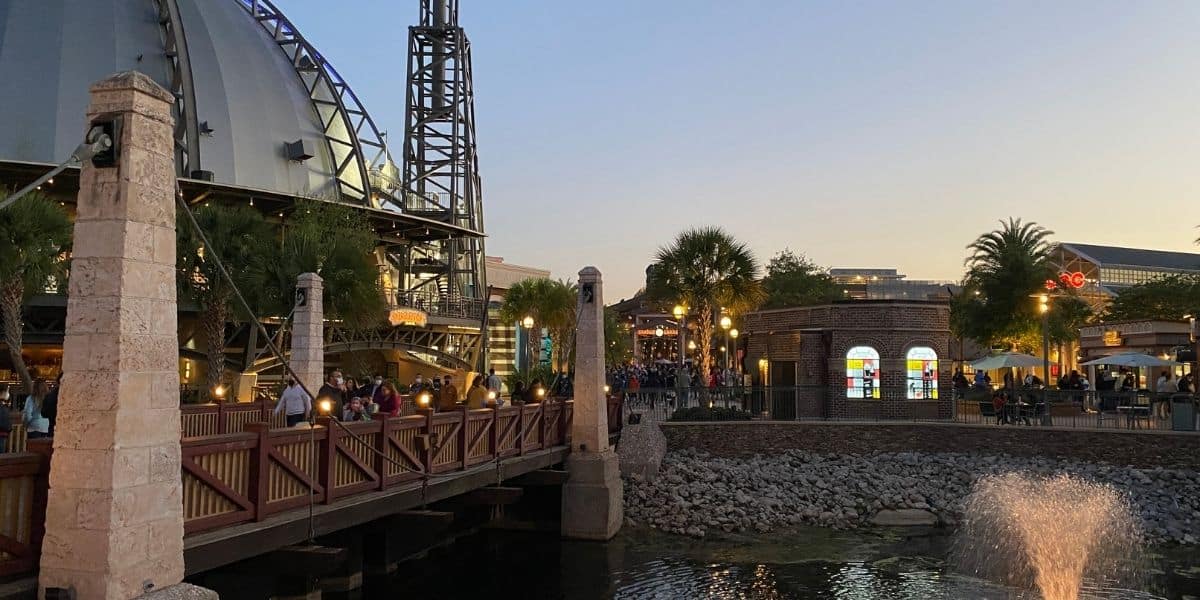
point(905, 517)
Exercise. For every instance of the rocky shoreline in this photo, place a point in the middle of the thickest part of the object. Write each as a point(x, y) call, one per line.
point(695, 492)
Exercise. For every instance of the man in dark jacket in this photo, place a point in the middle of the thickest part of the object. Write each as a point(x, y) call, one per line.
point(50, 405)
point(334, 391)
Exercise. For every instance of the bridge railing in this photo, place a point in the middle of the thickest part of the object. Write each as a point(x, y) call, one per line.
point(240, 477)
point(24, 483)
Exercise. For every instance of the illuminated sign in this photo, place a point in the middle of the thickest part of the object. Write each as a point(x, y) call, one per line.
point(407, 316)
point(651, 332)
point(1112, 338)
point(1073, 280)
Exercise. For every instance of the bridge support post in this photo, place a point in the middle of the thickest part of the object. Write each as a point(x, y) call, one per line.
point(592, 497)
point(114, 518)
point(308, 333)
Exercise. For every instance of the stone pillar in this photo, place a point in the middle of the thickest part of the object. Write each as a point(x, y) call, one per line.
point(592, 496)
point(308, 332)
point(114, 519)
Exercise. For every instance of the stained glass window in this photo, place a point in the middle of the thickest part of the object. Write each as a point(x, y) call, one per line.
point(862, 373)
point(922, 373)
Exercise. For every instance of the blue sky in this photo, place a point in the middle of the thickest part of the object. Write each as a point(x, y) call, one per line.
point(862, 134)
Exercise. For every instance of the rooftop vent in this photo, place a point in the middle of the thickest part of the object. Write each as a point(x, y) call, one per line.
point(299, 150)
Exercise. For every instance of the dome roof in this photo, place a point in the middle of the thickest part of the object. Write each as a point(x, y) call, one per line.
point(250, 101)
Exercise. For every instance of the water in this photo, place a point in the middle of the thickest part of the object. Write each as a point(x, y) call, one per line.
point(1056, 531)
point(804, 563)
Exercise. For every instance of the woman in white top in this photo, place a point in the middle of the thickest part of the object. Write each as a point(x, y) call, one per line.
point(36, 426)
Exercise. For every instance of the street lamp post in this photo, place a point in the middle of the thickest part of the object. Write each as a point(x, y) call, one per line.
point(527, 323)
point(726, 323)
point(1044, 309)
point(737, 367)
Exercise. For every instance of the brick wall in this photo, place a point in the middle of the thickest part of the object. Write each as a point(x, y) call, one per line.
point(817, 339)
point(1146, 450)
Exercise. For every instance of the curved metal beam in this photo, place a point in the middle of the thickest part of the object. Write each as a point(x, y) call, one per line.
point(187, 129)
point(333, 101)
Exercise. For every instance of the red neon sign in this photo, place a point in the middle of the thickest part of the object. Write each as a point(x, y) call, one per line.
point(1073, 280)
point(1051, 284)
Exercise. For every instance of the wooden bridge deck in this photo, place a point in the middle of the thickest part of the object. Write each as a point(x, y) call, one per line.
point(248, 486)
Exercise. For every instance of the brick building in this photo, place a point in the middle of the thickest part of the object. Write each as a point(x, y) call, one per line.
point(864, 359)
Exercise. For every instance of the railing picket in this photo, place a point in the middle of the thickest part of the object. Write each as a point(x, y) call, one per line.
point(327, 458)
point(260, 458)
point(382, 448)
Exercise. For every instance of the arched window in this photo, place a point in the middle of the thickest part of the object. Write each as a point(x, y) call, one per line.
point(862, 373)
point(922, 373)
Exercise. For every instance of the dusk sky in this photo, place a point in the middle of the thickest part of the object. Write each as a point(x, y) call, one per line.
point(862, 134)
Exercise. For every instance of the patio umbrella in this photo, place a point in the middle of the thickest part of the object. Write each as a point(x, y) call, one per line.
point(1130, 359)
point(1006, 360)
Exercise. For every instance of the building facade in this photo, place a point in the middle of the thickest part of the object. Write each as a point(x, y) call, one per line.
point(1098, 273)
point(865, 359)
point(889, 284)
point(506, 341)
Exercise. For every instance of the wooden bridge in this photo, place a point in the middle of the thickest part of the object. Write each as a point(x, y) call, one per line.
point(251, 486)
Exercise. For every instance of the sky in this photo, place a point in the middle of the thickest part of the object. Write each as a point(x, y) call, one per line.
point(861, 134)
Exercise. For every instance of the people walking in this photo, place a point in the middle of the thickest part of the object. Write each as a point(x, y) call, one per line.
point(294, 403)
point(477, 395)
point(448, 399)
point(36, 425)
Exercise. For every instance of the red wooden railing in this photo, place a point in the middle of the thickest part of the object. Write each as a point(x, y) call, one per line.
point(239, 477)
point(237, 467)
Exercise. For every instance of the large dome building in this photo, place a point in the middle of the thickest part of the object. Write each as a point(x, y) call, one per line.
point(263, 117)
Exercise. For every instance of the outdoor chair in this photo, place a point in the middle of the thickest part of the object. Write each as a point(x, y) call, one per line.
point(1107, 407)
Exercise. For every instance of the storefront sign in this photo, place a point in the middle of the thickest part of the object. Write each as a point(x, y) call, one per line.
point(1112, 338)
point(1122, 329)
point(1073, 280)
point(407, 316)
point(652, 332)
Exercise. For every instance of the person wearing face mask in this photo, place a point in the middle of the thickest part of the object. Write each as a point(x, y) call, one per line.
point(373, 389)
point(294, 403)
point(334, 391)
point(5, 418)
point(417, 385)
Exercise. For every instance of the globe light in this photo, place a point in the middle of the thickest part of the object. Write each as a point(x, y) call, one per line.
point(658, 331)
point(726, 322)
point(527, 322)
point(679, 311)
point(733, 333)
point(325, 406)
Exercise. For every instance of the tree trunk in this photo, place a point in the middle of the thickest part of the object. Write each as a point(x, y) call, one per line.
point(10, 305)
point(212, 321)
point(704, 330)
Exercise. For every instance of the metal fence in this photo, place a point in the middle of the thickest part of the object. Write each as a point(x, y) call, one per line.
point(1085, 409)
point(1021, 406)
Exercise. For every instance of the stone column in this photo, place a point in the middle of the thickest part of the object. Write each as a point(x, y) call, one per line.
point(308, 332)
point(114, 520)
point(592, 496)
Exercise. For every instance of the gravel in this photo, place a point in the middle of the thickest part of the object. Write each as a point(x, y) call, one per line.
point(696, 493)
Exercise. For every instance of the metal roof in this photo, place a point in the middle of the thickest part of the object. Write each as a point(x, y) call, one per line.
point(1136, 257)
point(250, 97)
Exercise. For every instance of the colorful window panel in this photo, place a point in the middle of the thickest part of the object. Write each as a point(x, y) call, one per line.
point(922, 367)
point(862, 373)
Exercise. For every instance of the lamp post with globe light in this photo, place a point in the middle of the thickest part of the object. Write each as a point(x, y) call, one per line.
point(726, 323)
point(527, 323)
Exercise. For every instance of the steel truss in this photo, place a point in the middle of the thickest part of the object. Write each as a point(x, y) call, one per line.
point(440, 166)
point(348, 130)
point(187, 128)
point(454, 349)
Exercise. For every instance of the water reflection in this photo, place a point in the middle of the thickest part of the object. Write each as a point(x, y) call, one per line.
point(801, 565)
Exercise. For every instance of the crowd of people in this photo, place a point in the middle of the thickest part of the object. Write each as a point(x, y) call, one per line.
point(630, 378)
point(350, 401)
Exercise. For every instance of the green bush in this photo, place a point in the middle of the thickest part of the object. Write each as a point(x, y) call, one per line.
point(700, 413)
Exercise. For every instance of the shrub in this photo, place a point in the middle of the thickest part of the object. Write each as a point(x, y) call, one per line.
point(700, 413)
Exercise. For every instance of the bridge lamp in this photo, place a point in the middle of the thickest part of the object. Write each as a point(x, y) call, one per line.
point(325, 406)
point(541, 392)
point(491, 395)
point(423, 399)
point(607, 389)
point(219, 392)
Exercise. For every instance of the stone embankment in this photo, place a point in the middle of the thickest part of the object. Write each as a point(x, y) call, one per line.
point(696, 493)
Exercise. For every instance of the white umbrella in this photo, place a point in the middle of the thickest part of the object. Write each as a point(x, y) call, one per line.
point(1006, 360)
point(1130, 359)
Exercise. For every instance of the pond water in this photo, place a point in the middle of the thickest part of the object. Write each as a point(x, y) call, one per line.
point(804, 563)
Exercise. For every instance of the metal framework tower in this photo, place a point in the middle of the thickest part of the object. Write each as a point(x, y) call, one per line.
point(440, 174)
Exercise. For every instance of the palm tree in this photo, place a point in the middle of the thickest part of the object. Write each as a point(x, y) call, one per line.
point(336, 242)
point(1004, 269)
point(239, 236)
point(552, 305)
point(35, 237)
point(706, 270)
